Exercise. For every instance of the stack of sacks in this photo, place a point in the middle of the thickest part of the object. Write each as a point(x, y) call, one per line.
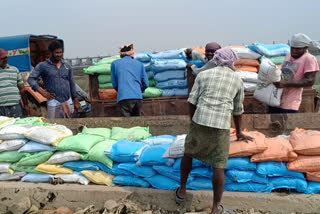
point(266, 92)
point(306, 143)
point(103, 69)
point(247, 66)
point(151, 91)
point(169, 72)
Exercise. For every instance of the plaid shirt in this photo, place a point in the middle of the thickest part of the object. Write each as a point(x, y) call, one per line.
point(217, 93)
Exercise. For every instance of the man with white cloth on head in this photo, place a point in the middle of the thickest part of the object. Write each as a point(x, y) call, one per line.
point(298, 71)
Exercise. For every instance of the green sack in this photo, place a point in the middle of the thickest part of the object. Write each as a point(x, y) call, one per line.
point(35, 158)
point(107, 60)
point(105, 85)
point(103, 132)
point(30, 169)
point(134, 133)
point(152, 83)
point(11, 156)
point(277, 60)
point(152, 92)
point(99, 69)
point(104, 78)
point(96, 153)
point(29, 120)
point(79, 143)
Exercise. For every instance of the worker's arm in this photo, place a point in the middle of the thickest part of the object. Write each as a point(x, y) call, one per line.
point(73, 90)
point(114, 77)
point(144, 79)
point(306, 81)
point(33, 82)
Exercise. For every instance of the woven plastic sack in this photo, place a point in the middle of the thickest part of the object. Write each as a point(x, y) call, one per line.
point(107, 93)
point(247, 76)
point(6, 121)
point(36, 147)
point(202, 172)
point(48, 134)
point(37, 178)
point(142, 57)
point(169, 54)
point(152, 92)
point(152, 83)
point(290, 183)
point(4, 167)
point(29, 120)
point(244, 149)
point(277, 60)
point(10, 145)
point(305, 142)
point(61, 157)
point(249, 87)
point(141, 171)
point(106, 86)
point(246, 53)
point(29, 169)
point(169, 64)
point(152, 155)
point(75, 177)
point(81, 165)
point(279, 149)
point(33, 159)
point(13, 132)
point(98, 177)
point(246, 176)
point(305, 164)
point(195, 163)
point(161, 182)
point(79, 143)
point(246, 187)
point(103, 132)
point(53, 169)
point(170, 75)
point(160, 139)
point(104, 78)
point(268, 93)
point(150, 75)
point(126, 180)
point(270, 50)
point(241, 163)
point(114, 170)
point(107, 60)
point(134, 133)
point(200, 183)
point(277, 169)
point(268, 71)
point(98, 69)
point(16, 176)
point(11, 156)
point(125, 151)
point(247, 62)
point(313, 176)
point(169, 172)
point(174, 92)
point(176, 83)
point(96, 153)
point(176, 149)
point(313, 188)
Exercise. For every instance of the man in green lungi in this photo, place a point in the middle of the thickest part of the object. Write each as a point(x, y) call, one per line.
point(217, 94)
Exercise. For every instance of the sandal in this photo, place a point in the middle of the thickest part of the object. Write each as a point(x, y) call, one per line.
point(179, 200)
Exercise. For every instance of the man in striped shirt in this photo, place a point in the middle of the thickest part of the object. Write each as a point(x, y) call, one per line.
point(11, 89)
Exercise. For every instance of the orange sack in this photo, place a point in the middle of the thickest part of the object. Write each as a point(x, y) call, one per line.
point(279, 149)
point(107, 94)
point(305, 142)
point(246, 68)
point(244, 149)
point(247, 62)
point(313, 176)
point(305, 164)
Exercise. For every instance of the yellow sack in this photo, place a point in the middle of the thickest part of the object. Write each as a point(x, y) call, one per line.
point(53, 169)
point(98, 177)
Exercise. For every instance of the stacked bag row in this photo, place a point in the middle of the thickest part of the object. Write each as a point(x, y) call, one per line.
point(151, 91)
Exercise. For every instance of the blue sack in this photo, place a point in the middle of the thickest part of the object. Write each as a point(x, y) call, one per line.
point(141, 171)
point(162, 182)
point(36, 147)
point(289, 183)
point(169, 54)
point(270, 50)
point(246, 176)
point(170, 75)
point(246, 187)
point(204, 172)
point(152, 155)
point(198, 63)
point(161, 139)
point(174, 92)
point(169, 172)
point(169, 64)
point(147, 66)
point(183, 83)
point(150, 74)
point(277, 169)
point(115, 169)
point(142, 57)
point(124, 151)
point(199, 183)
point(240, 163)
point(195, 163)
point(313, 188)
point(125, 180)
point(81, 165)
point(35, 177)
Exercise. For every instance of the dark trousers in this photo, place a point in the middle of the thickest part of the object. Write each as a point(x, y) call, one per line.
point(276, 110)
point(11, 111)
point(129, 108)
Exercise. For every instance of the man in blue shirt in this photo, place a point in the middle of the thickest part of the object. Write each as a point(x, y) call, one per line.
point(129, 79)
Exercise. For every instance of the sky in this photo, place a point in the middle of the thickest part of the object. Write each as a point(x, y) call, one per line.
point(100, 27)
